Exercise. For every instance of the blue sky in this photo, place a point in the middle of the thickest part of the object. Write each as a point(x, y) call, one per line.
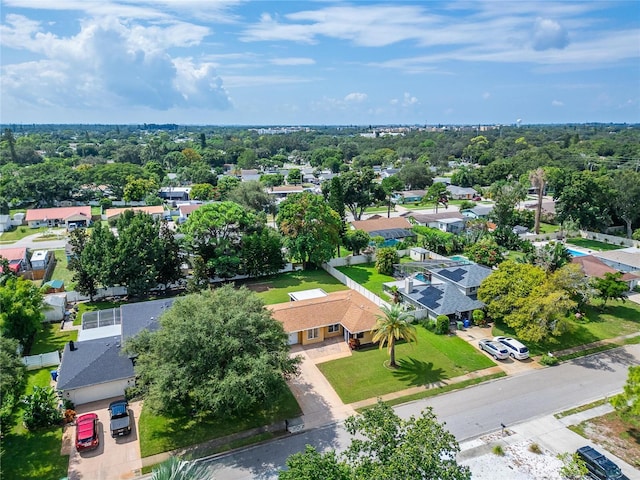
point(319, 62)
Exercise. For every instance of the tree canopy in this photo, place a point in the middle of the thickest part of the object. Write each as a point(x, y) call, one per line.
point(218, 351)
point(311, 228)
point(20, 309)
point(384, 446)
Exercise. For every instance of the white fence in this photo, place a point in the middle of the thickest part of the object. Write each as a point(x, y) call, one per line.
point(358, 259)
point(342, 278)
point(612, 239)
point(34, 362)
point(102, 293)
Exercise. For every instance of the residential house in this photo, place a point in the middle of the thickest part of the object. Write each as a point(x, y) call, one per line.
point(283, 191)
point(186, 210)
point(250, 175)
point(314, 317)
point(392, 230)
point(445, 180)
point(595, 267)
point(461, 193)
point(450, 291)
point(624, 259)
point(451, 225)
point(432, 220)
point(409, 196)
point(17, 257)
point(59, 217)
point(96, 369)
point(478, 212)
point(5, 223)
point(157, 212)
point(177, 194)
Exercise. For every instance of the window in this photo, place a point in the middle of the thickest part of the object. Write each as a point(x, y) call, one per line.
point(313, 333)
point(359, 335)
point(333, 328)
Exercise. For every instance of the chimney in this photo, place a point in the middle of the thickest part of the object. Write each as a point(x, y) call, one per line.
point(72, 347)
point(408, 285)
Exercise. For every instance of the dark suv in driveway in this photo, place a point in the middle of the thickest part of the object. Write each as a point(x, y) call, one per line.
point(120, 418)
point(599, 466)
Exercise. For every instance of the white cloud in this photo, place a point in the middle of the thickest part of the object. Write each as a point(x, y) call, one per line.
point(549, 34)
point(293, 61)
point(110, 60)
point(406, 101)
point(355, 97)
point(557, 103)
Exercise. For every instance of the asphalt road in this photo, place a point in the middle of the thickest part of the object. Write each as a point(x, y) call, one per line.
point(467, 413)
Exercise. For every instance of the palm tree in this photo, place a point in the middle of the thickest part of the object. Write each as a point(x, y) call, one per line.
point(176, 469)
point(393, 325)
point(538, 179)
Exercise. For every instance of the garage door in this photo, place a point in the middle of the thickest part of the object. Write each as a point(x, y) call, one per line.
point(96, 392)
point(294, 338)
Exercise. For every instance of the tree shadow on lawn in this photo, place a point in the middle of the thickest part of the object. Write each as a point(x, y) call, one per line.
point(416, 373)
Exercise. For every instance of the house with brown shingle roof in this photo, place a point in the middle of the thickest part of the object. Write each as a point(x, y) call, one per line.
point(390, 229)
point(345, 313)
point(594, 267)
point(59, 217)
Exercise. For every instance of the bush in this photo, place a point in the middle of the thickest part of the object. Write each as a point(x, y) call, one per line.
point(40, 409)
point(535, 448)
point(479, 318)
point(498, 450)
point(549, 360)
point(442, 324)
point(386, 258)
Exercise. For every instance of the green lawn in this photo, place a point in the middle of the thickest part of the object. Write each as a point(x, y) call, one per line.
point(61, 272)
point(276, 289)
point(434, 358)
point(366, 275)
point(28, 455)
point(162, 434)
point(19, 233)
point(548, 228)
point(592, 244)
point(50, 338)
point(617, 319)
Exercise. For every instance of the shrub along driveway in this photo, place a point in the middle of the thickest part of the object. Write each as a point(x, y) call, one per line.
point(432, 359)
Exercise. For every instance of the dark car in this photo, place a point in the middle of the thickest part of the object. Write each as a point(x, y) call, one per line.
point(120, 418)
point(87, 432)
point(599, 466)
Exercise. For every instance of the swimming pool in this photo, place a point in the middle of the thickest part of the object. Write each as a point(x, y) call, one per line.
point(421, 277)
point(575, 253)
point(459, 258)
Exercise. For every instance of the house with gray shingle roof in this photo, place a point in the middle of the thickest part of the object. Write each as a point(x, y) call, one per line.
point(443, 299)
point(96, 369)
point(467, 278)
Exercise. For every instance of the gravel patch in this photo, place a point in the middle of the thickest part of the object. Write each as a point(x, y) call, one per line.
point(517, 463)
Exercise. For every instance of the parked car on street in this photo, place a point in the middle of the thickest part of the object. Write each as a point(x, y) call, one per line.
point(87, 432)
point(497, 350)
point(515, 348)
point(120, 418)
point(599, 466)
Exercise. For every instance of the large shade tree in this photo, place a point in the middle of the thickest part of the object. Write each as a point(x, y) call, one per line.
point(20, 309)
point(360, 190)
point(384, 446)
point(13, 379)
point(218, 351)
point(311, 228)
point(393, 325)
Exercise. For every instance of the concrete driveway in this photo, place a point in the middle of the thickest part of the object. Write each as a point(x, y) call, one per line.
point(509, 366)
point(115, 458)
